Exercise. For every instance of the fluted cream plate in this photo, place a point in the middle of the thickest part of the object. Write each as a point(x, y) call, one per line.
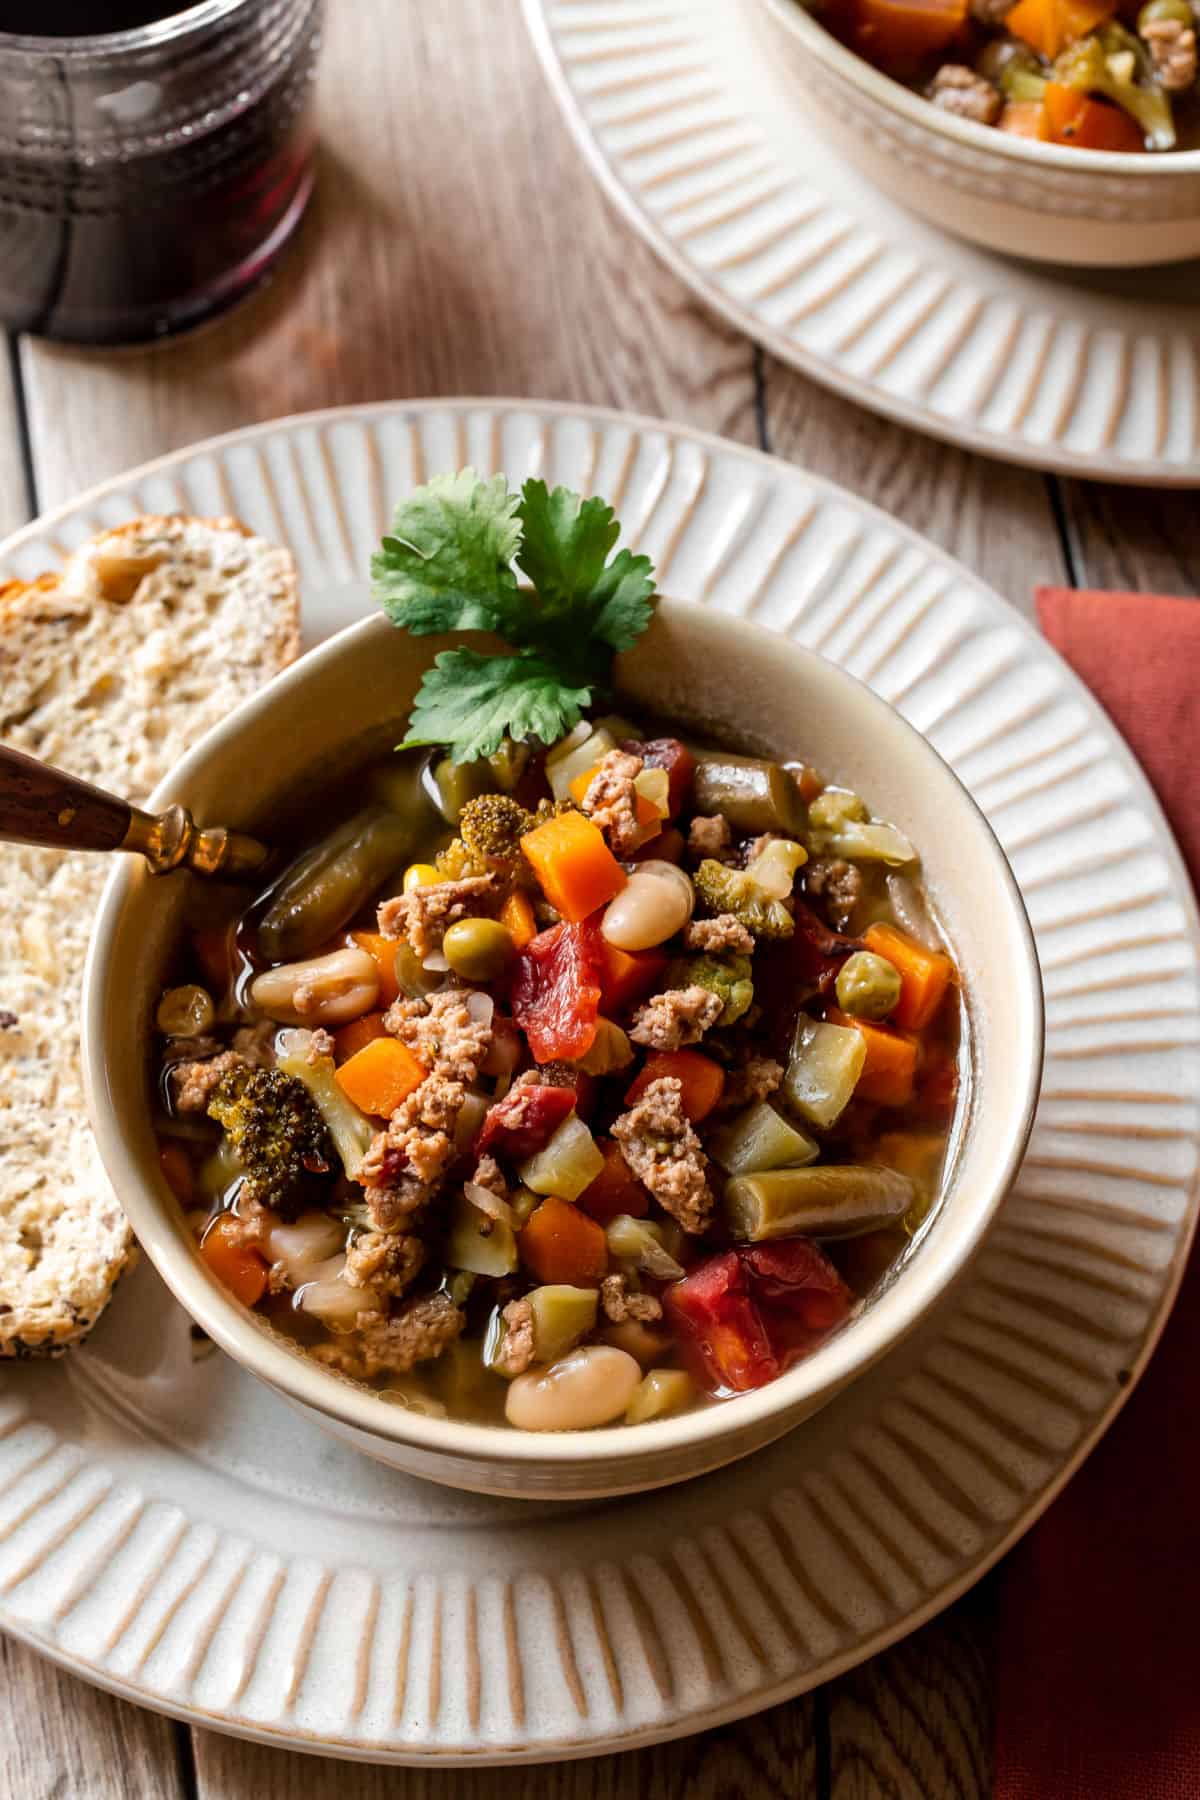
point(693, 120)
point(171, 1530)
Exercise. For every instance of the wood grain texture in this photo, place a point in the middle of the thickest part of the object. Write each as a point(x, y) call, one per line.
point(772, 1757)
point(1133, 539)
point(64, 1740)
point(456, 245)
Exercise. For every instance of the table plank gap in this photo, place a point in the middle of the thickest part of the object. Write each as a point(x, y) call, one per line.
point(1133, 538)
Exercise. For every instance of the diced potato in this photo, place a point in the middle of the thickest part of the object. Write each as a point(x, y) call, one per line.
point(640, 1242)
point(662, 1391)
point(561, 1316)
point(760, 1138)
point(471, 1247)
point(569, 1162)
point(823, 1070)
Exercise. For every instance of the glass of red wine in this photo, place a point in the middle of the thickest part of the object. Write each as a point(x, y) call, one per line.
point(154, 158)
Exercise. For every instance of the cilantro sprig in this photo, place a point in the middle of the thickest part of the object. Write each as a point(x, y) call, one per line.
point(447, 566)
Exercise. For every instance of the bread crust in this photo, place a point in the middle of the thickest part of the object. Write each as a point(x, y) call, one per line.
point(149, 634)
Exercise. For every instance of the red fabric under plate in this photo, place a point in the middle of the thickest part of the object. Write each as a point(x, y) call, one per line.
point(1098, 1691)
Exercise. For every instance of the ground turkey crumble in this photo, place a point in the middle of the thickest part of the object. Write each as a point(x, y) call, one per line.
point(195, 1078)
point(959, 90)
point(515, 1351)
point(756, 1079)
point(619, 1304)
point(676, 1017)
point(837, 886)
point(1172, 46)
point(419, 1331)
point(611, 799)
point(423, 914)
point(715, 935)
point(386, 1261)
point(710, 837)
point(658, 1143)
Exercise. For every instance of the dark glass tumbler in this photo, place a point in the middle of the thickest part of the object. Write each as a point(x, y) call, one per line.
point(149, 177)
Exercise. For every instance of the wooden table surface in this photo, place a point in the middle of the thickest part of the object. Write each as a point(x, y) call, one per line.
point(458, 245)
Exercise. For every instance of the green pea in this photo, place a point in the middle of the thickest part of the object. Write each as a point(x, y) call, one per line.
point(868, 986)
point(478, 949)
point(1156, 11)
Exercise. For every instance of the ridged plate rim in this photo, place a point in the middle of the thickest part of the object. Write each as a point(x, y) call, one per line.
point(667, 477)
point(958, 305)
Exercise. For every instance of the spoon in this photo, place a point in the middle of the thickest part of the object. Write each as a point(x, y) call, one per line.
point(43, 805)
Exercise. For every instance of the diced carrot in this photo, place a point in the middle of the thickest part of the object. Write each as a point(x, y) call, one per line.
point(380, 1075)
point(242, 1270)
point(924, 975)
point(809, 783)
point(702, 1080)
point(516, 915)
point(382, 952)
point(577, 870)
point(626, 975)
point(581, 784)
point(616, 1189)
point(177, 1170)
point(560, 1243)
point(899, 33)
point(214, 953)
point(890, 1069)
point(355, 1036)
point(1022, 118)
point(1048, 26)
point(1069, 117)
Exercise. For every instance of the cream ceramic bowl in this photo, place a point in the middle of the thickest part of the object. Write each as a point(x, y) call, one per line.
point(1044, 201)
point(342, 702)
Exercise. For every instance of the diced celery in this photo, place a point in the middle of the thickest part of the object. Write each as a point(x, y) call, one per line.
point(471, 1115)
point(864, 843)
point(654, 785)
point(561, 1316)
point(823, 1070)
point(569, 1162)
point(611, 1050)
point(523, 1203)
point(470, 1246)
point(760, 1138)
point(640, 1242)
point(662, 1391)
point(824, 1202)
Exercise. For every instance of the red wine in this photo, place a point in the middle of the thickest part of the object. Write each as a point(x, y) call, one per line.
point(84, 18)
point(140, 197)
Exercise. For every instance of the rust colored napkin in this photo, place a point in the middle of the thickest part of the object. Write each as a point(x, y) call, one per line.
point(1098, 1678)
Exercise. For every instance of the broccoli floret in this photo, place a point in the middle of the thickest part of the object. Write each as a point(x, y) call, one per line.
point(725, 890)
point(494, 825)
point(729, 977)
point(276, 1132)
point(1109, 62)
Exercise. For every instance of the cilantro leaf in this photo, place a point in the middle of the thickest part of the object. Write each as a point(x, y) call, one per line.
point(586, 600)
point(469, 702)
point(447, 563)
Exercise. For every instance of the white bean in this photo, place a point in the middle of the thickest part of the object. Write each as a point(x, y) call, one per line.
point(304, 1246)
point(325, 990)
point(335, 1302)
point(591, 1386)
point(655, 903)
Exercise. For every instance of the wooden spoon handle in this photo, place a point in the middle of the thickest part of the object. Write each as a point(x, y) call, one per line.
point(41, 805)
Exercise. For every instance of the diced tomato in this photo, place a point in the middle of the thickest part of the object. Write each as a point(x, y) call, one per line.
point(721, 1329)
point(702, 1080)
point(523, 1122)
point(793, 1276)
point(556, 991)
point(669, 754)
point(615, 1190)
point(626, 976)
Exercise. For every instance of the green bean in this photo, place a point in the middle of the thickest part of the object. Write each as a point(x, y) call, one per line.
point(325, 886)
point(456, 783)
point(753, 794)
point(824, 1201)
point(760, 1139)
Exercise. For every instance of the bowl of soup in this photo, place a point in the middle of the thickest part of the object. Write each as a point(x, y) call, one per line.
point(575, 1121)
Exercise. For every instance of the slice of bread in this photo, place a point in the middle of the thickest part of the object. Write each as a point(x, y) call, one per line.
point(110, 669)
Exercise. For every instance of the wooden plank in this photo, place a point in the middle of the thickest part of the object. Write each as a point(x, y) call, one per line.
point(456, 245)
point(64, 1740)
point(998, 520)
point(1133, 538)
point(772, 1757)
